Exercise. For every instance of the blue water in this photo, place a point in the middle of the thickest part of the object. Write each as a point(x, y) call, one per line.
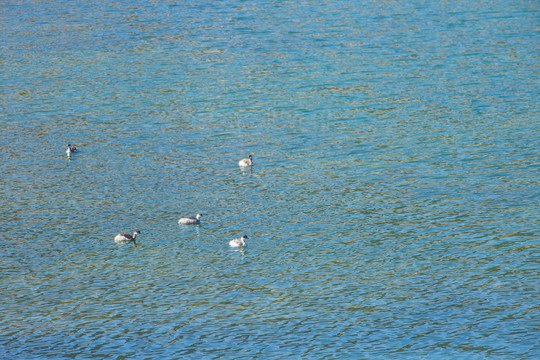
point(392, 209)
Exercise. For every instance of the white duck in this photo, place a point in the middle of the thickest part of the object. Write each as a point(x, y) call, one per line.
point(240, 242)
point(246, 162)
point(189, 220)
point(125, 237)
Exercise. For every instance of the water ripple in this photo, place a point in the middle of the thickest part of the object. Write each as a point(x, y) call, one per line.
point(390, 209)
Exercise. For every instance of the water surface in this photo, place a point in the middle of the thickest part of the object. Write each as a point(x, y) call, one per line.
point(392, 210)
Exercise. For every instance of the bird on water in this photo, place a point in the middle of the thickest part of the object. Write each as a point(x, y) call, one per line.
point(71, 149)
point(190, 220)
point(240, 242)
point(246, 162)
point(125, 237)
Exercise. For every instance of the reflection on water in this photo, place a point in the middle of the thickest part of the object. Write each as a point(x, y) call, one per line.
point(391, 204)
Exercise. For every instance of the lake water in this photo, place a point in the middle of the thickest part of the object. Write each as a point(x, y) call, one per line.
point(392, 209)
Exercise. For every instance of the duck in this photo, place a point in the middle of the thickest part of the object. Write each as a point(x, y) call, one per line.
point(190, 220)
point(125, 237)
point(246, 162)
point(240, 242)
point(71, 149)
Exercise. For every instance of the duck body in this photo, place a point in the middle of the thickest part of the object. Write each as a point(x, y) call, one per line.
point(246, 162)
point(189, 220)
point(240, 242)
point(125, 237)
point(71, 149)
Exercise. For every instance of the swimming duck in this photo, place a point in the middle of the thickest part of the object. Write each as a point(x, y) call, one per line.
point(246, 162)
point(238, 242)
point(71, 149)
point(125, 237)
point(189, 220)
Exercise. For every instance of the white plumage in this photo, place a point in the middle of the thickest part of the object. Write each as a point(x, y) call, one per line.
point(238, 242)
point(246, 162)
point(189, 220)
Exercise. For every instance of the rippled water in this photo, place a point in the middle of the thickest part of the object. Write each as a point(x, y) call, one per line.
point(392, 210)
